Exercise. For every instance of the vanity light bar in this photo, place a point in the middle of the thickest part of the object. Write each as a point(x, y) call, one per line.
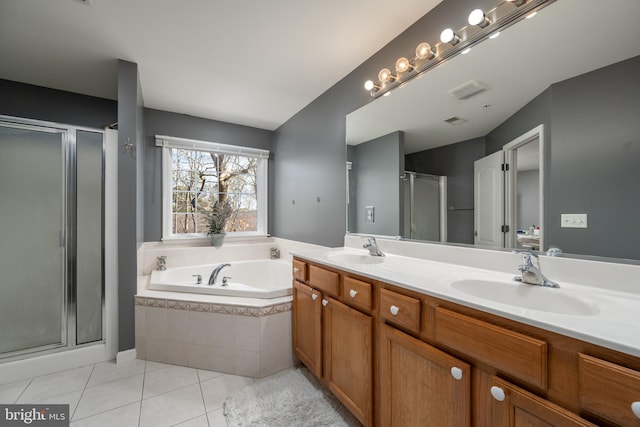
point(481, 25)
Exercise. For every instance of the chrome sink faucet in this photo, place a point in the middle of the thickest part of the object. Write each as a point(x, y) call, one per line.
point(215, 272)
point(531, 274)
point(372, 246)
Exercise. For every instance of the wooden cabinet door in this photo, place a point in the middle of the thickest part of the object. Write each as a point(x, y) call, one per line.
point(307, 327)
point(421, 385)
point(348, 357)
point(514, 407)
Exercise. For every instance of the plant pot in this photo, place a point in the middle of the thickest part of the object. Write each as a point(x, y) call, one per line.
point(217, 239)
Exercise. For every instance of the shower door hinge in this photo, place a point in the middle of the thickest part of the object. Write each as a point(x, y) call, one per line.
point(504, 228)
point(505, 167)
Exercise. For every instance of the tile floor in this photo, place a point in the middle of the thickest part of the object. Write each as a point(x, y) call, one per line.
point(136, 393)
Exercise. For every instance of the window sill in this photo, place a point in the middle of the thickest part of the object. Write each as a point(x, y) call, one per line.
point(203, 240)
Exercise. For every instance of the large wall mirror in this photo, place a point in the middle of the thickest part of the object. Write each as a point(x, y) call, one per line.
point(560, 99)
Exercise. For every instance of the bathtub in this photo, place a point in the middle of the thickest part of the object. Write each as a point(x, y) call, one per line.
point(264, 278)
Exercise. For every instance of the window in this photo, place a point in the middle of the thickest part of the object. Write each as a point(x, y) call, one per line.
point(197, 174)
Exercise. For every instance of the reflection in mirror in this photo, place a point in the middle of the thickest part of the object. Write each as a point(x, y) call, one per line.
point(573, 69)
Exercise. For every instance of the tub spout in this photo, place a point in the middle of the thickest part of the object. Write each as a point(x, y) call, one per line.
point(215, 272)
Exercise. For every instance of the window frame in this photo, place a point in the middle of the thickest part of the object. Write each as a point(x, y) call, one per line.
point(262, 175)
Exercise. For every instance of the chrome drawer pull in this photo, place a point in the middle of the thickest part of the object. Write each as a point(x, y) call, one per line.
point(635, 408)
point(394, 310)
point(352, 293)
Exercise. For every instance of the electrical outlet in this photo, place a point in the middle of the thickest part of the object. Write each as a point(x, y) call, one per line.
point(573, 220)
point(369, 215)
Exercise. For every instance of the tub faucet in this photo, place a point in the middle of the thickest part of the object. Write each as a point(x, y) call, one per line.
point(372, 246)
point(531, 274)
point(215, 272)
point(275, 253)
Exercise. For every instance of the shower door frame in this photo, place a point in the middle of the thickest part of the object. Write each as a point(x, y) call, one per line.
point(68, 235)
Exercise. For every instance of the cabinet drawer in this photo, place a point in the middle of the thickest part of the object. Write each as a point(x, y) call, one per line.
point(357, 293)
point(325, 280)
point(511, 353)
point(608, 391)
point(299, 270)
point(400, 310)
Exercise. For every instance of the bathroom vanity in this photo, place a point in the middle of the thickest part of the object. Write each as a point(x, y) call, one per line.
point(398, 348)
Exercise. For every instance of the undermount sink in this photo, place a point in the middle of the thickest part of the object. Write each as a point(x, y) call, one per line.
point(526, 296)
point(356, 258)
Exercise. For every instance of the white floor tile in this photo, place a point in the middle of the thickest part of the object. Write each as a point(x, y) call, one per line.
point(72, 399)
point(125, 416)
point(56, 384)
point(205, 375)
point(111, 371)
point(201, 421)
point(10, 392)
point(109, 396)
point(216, 390)
point(172, 408)
point(168, 379)
point(217, 419)
point(154, 366)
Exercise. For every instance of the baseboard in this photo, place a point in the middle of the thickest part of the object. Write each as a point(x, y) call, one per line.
point(126, 356)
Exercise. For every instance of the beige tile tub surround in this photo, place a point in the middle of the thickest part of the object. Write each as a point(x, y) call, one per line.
point(233, 339)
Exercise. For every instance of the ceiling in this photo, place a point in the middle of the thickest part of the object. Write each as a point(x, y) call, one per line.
point(565, 39)
point(255, 63)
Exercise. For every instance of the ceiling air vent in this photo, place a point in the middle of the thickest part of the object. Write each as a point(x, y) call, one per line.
point(468, 89)
point(455, 120)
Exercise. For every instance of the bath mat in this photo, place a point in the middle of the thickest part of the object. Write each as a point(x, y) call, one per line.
point(289, 399)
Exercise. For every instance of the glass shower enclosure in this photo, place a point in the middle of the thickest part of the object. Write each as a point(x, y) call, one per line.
point(52, 228)
point(425, 201)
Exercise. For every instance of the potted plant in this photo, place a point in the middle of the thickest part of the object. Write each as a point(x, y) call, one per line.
point(217, 218)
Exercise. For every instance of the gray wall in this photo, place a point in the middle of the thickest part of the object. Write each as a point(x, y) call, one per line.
point(157, 122)
point(454, 161)
point(528, 202)
point(41, 103)
point(376, 170)
point(130, 220)
point(592, 148)
point(310, 150)
point(595, 151)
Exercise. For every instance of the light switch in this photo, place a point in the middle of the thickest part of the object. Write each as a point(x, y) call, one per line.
point(573, 220)
point(369, 214)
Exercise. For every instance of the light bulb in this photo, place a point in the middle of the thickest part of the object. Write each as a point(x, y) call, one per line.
point(518, 3)
point(369, 85)
point(403, 65)
point(423, 51)
point(477, 17)
point(494, 35)
point(448, 36)
point(385, 75)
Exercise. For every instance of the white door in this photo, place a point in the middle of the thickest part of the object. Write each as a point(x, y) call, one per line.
point(489, 201)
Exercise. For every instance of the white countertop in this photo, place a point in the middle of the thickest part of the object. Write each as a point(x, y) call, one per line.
point(615, 325)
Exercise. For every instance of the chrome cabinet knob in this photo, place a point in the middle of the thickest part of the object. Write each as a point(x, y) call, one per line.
point(352, 293)
point(394, 310)
point(456, 373)
point(497, 393)
point(296, 270)
point(314, 296)
point(635, 408)
point(324, 302)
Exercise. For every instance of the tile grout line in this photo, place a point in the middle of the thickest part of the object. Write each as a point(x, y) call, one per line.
point(82, 394)
point(23, 390)
point(204, 404)
point(144, 377)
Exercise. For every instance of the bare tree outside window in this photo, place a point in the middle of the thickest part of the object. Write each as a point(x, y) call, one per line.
point(200, 178)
